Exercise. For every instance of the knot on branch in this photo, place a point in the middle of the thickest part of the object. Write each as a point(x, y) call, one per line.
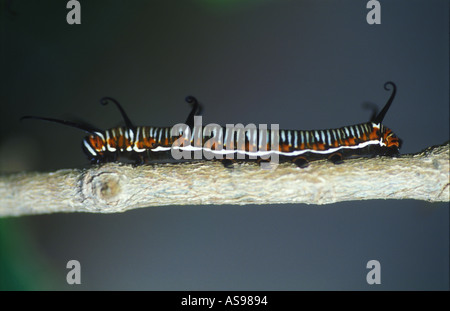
point(102, 189)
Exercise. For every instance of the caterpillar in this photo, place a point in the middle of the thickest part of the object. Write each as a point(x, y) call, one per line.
point(144, 144)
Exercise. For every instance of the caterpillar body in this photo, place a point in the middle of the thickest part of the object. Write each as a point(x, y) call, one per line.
point(144, 144)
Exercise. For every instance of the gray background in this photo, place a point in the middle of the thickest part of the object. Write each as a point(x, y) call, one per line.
point(300, 64)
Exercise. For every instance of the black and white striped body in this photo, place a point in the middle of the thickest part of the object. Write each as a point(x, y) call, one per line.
point(239, 142)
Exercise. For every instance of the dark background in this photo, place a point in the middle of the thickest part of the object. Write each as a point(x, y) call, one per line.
point(299, 64)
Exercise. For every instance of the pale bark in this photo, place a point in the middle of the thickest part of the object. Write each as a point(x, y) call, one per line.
point(115, 187)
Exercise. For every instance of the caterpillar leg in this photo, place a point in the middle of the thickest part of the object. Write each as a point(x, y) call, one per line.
point(336, 158)
point(259, 161)
point(95, 161)
point(227, 163)
point(301, 162)
point(104, 158)
point(139, 159)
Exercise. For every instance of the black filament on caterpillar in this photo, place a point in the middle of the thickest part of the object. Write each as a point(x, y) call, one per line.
point(143, 144)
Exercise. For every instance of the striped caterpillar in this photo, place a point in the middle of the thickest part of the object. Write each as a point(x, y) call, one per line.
point(144, 144)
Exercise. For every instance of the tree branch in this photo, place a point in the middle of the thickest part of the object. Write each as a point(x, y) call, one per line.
point(115, 187)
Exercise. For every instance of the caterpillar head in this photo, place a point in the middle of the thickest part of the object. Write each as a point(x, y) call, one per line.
point(389, 141)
